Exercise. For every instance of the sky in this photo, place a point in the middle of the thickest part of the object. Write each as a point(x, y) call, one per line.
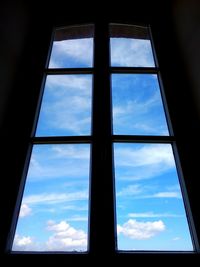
point(54, 213)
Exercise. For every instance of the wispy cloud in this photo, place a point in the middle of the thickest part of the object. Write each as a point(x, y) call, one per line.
point(75, 208)
point(131, 190)
point(57, 161)
point(142, 161)
point(72, 53)
point(71, 151)
point(166, 195)
point(151, 214)
point(141, 230)
point(77, 218)
point(58, 84)
point(177, 238)
point(139, 191)
point(137, 105)
point(144, 155)
point(66, 106)
point(54, 198)
point(131, 52)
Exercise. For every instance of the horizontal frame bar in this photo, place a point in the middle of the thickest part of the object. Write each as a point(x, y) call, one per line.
point(60, 71)
point(114, 138)
point(145, 70)
point(142, 139)
point(62, 140)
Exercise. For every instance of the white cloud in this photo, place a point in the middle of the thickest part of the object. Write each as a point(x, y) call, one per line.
point(130, 190)
point(131, 52)
point(71, 151)
point(75, 208)
point(66, 105)
point(176, 238)
point(54, 198)
point(59, 85)
point(69, 115)
point(70, 53)
point(57, 161)
point(136, 107)
point(22, 243)
point(144, 161)
point(151, 214)
point(25, 210)
point(138, 191)
point(77, 218)
point(141, 230)
point(166, 195)
point(65, 237)
point(145, 155)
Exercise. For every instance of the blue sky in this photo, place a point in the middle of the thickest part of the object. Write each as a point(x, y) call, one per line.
point(149, 205)
point(150, 211)
point(137, 105)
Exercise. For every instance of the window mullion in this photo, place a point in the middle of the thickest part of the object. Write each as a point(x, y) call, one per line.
point(102, 208)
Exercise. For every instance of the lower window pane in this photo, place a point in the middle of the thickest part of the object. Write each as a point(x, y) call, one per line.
point(54, 209)
point(149, 205)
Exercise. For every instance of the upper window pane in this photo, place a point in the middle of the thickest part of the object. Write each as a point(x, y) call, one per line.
point(72, 47)
point(66, 106)
point(137, 105)
point(130, 46)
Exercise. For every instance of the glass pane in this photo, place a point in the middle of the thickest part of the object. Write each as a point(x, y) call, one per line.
point(130, 46)
point(72, 47)
point(149, 205)
point(137, 105)
point(66, 106)
point(54, 209)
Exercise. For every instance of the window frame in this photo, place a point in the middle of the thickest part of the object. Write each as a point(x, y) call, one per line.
point(101, 141)
point(152, 139)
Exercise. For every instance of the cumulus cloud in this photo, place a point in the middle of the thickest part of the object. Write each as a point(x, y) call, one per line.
point(141, 230)
point(22, 243)
point(65, 237)
point(25, 210)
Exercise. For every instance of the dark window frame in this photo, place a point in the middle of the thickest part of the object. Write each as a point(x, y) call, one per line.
point(101, 141)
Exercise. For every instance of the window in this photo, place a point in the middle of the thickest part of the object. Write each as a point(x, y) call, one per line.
point(103, 171)
point(54, 209)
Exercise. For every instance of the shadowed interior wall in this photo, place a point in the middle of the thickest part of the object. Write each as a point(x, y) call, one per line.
point(25, 31)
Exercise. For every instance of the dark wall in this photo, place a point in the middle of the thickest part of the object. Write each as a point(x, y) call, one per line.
point(25, 30)
point(186, 18)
